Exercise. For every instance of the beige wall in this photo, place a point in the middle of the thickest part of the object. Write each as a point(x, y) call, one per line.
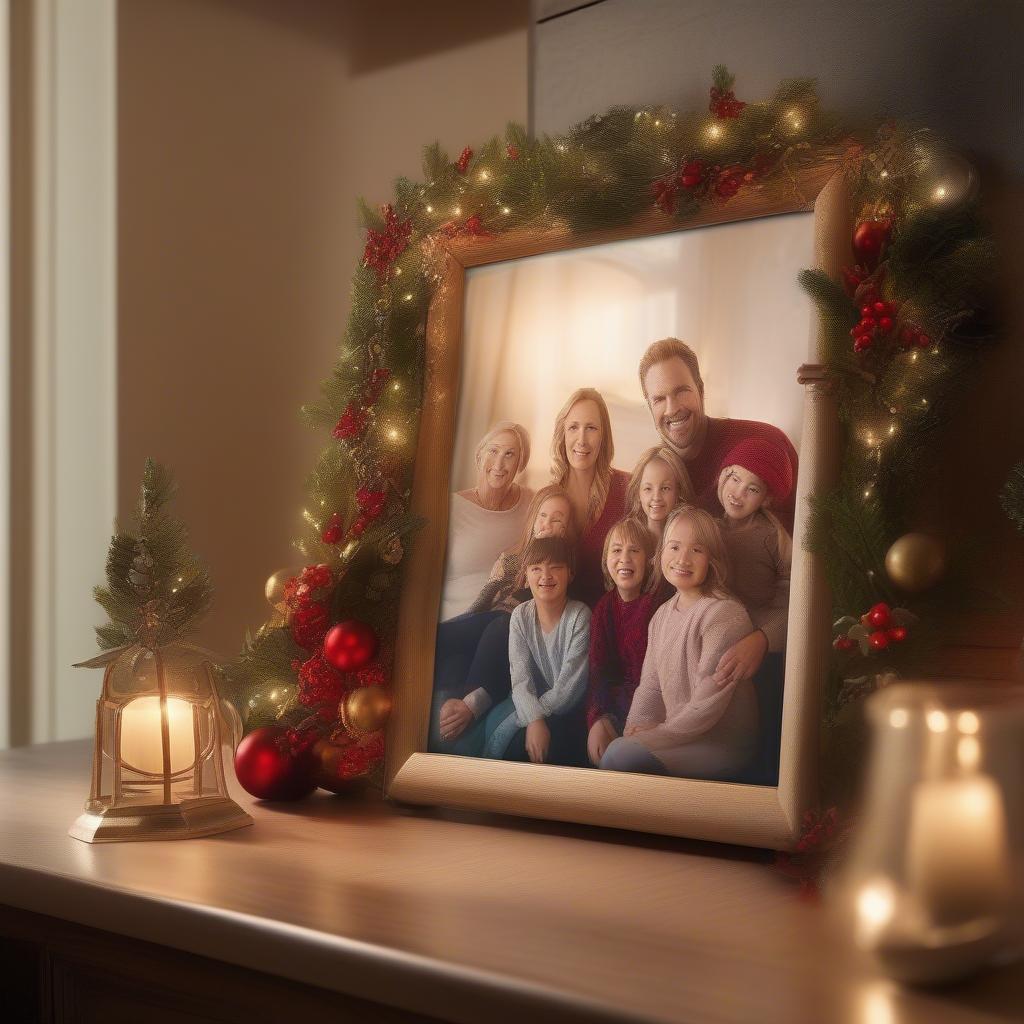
point(246, 131)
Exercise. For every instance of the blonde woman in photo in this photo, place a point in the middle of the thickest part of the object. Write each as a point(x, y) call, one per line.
point(582, 450)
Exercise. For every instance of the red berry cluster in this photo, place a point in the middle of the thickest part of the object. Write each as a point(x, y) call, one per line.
point(359, 757)
point(472, 226)
point(334, 530)
point(879, 627)
point(462, 164)
point(512, 152)
point(877, 324)
point(357, 413)
point(698, 176)
point(319, 682)
point(309, 625)
point(384, 247)
point(351, 424)
point(310, 585)
point(724, 103)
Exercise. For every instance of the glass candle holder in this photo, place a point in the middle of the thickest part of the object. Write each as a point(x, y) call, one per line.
point(933, 883)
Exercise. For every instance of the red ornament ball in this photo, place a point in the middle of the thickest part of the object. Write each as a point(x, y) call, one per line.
point(870, 237)
point(267, 768)
point(350, 645)
point(878, 617)
point(897, 634)
point(843, 643)
point(879, 640)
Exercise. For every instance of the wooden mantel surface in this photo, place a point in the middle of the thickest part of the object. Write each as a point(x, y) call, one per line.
point(467, 917)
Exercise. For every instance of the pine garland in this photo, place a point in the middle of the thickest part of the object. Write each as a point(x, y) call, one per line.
point(603, 173)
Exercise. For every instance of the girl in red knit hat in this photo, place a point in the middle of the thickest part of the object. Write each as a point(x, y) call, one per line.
point(754, 476)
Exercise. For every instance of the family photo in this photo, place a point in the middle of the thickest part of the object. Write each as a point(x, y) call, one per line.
point(616, 583)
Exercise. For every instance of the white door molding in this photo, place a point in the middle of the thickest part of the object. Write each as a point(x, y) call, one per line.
point(68, 440)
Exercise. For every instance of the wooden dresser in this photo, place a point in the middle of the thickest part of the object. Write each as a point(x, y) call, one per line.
point(353, 910)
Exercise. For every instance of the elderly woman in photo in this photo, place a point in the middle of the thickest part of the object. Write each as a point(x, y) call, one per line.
point(581, 462)
point(485, 519)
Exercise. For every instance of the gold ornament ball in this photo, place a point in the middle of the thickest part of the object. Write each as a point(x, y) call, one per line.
point(365, 710)
point(947, 182)
point(274, 588)
point(916, 562)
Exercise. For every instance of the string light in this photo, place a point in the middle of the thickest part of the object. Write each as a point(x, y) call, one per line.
point(407, 296)
point(398, 271)
point(505, 210)
point(484, 176)
point(430, 209)
point(715, 131)
point(396, 386)
point(560, 148)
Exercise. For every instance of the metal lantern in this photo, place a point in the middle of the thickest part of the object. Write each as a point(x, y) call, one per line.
point(158, 764)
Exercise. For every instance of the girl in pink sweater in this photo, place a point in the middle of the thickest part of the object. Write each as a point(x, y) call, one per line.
point(681, 722)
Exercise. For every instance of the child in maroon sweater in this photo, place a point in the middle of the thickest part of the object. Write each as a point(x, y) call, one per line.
point(618, 630)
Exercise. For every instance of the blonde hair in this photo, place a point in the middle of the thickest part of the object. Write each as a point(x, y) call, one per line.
point(781, 532)
point(546, 492)
point(679, 471)
point(633, 532)
point(522, 436)
point(707, 533)
point(603, 469)
point(670, 348)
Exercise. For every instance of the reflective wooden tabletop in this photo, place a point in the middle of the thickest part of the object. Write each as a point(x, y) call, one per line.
point(467, 917)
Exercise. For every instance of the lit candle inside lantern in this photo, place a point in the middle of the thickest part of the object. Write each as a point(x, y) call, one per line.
point(141, 745)
point(958, 860)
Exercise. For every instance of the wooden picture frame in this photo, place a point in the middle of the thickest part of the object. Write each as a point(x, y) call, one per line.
point(725, 812)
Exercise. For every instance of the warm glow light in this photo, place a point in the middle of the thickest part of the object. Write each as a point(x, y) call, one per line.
point(396, 386)
point(398, 271)
point(561, 148)
point(913, 357)
point(875, 906)
point(940, 192)
point(393, 434)
point(505, 210)
point(407, 296)
point(141, 745)
point(430, 209)
point(484, 176)
point(892, 429)
point(715, 131)
point(898, 718)
point(938, 721)
point(968, 752)
point(877, 1005)
point(967, 721)
point(884, 174)
point(457, 211)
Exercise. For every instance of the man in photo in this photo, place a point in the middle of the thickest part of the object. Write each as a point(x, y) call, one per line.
point(674, 390)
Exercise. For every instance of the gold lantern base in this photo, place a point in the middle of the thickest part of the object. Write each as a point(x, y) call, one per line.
point(190, 819)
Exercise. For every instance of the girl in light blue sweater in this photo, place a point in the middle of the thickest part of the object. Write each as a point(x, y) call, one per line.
point(549, 643)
